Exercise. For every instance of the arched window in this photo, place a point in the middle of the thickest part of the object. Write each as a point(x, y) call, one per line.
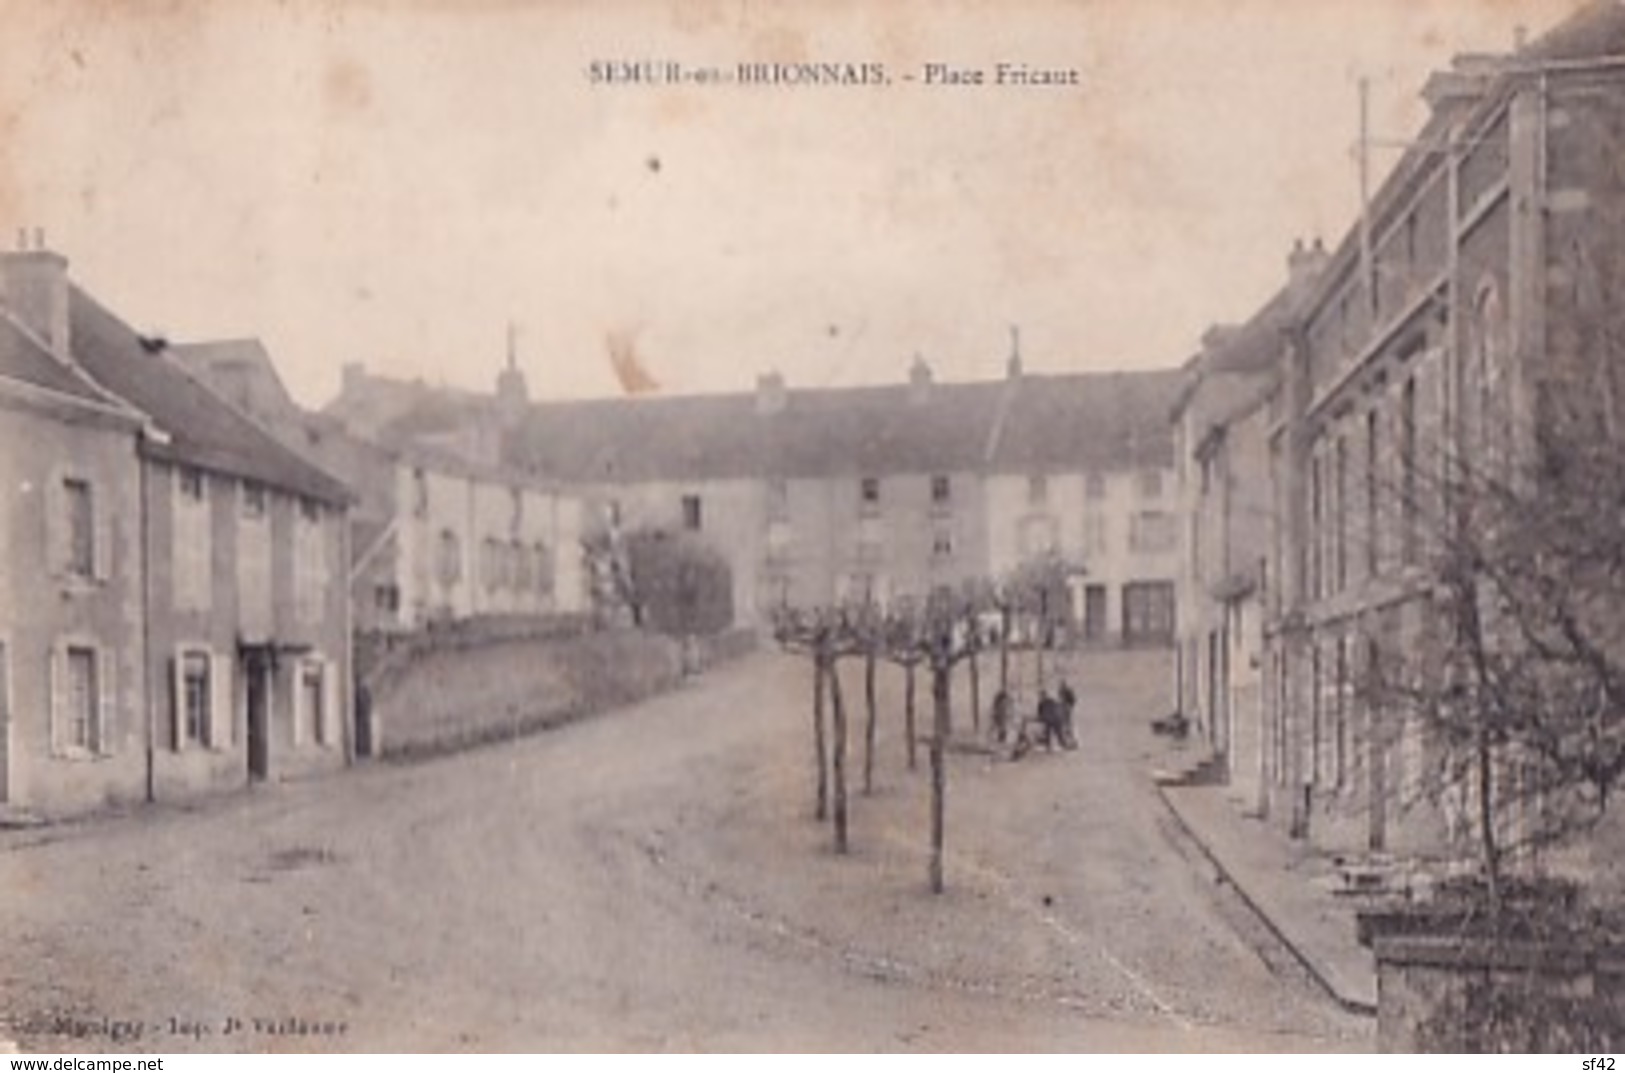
point(1488, 372)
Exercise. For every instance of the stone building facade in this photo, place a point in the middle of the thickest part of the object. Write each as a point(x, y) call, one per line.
point(1448, 329)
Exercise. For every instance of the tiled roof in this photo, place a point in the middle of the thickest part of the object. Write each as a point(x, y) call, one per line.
point(1596, 29)
point(242, 371)
point(24, 358)
point(1033, 422)
point(204, 429)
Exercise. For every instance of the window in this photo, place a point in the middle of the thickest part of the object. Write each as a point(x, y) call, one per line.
point(1152, 531)
point(941, 490)
point(448, 559)
point(253, 500)
point(516, 508)
point(81, 519)
point(1037, 490)
point(1407, 463)
point(1315, 527)
point(1148, 611)
point(524, 567)
point(1094, 486)
point(201, 699)
point(942, 544)
point(1340, 497)
point(387, 598)
point(869, 495)
point(544, 568)
point(692, 518)
point(1094, 612)
point(308, 714)
point(420, 493)
point(1340, 715)
point(80, 702)
point(309, 564)
point(190, 481)
point(1150, 484)
point(1373, 499)
point(195, 697)
point(191, 543)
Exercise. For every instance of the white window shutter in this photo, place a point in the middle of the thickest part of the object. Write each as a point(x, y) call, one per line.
point(300, 703)
point(177, 694)
point(221, 717)
point(103, 528)
point(57, 672)
point(105, 733)
point(330, 703)
point(56, 525)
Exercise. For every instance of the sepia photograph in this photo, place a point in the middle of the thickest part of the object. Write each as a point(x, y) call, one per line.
point(914, 527)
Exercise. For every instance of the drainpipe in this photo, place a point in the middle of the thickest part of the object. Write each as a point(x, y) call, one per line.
point(347, 680)
point(149, 699)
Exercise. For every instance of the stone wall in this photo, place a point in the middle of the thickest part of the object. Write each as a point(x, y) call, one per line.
point(1448, 993)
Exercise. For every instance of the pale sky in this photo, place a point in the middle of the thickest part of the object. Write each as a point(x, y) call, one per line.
point(394, 182)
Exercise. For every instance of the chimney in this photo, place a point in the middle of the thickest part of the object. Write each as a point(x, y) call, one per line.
point(355, 377)
point(1012, 367)
point(919, 381)
point(770, 394)
point(1304, 263)
point(34, 289)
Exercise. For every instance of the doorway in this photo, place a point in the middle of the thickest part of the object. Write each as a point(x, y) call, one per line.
point(257, 694)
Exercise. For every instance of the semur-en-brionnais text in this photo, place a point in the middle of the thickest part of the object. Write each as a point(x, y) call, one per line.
point(812, 74)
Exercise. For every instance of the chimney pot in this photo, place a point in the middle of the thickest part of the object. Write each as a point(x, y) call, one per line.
point(34, 286)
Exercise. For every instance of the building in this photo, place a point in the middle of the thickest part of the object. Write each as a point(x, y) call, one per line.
point(186, 625)
point(819, 496)
point(73, 674)
point(1221, 445)
point(1449, 327)
point(441, 529)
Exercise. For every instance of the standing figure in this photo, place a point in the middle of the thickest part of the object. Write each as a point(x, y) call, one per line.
point(1069, 702)
point(1001, 716)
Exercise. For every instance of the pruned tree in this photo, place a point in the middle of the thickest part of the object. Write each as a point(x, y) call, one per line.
point(1519, 675)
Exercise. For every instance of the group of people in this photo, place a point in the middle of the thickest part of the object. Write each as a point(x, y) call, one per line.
point(1050, 725)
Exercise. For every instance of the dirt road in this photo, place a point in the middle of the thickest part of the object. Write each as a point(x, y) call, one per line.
point(653, 879)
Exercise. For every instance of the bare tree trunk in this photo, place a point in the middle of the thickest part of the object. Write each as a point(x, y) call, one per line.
point(869, 717)
point(975, 691)
point(1004, 650)
point(821, 756)
point(940, 670)
point(1486, 820)
point(839, 709)
point(908, 713)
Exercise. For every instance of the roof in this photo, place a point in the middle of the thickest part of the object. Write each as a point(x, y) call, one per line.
point(203, 429)
point(1027, 423)
point(242, 372)
point(23, 357)
point(1596, 30)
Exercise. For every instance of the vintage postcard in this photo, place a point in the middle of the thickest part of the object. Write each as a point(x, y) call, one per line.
point(714, 525)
